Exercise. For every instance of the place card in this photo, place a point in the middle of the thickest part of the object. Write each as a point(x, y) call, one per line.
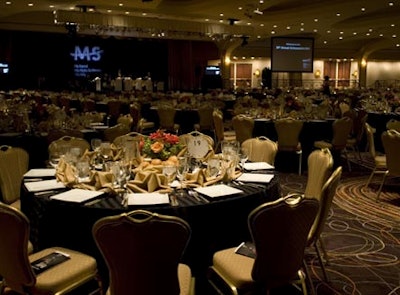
point(218, 190)
point(257, 166)
point(40, 172)
point(147, 199)
point(255, 177)
point(76, 195)
point(44, 185)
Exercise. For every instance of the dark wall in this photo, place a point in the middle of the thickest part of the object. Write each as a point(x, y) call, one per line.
point(44, 61)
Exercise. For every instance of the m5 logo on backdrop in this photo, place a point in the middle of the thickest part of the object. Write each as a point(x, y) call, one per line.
point(87, 53)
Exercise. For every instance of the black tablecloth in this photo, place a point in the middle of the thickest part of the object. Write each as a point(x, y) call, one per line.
point(220, 223)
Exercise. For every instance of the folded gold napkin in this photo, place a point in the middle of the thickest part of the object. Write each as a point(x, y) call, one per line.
point(98, 180)
point(65, 173)
point(200, 178)
point(149, 181)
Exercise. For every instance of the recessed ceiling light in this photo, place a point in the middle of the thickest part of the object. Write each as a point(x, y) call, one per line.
point(240, 7)
point(362, 9)
point(341, 38)
point(30, 4)
point(273, 32)
point(392, 25)
point(391, 3)
point(316, 19)
point(394, 36)
point(120, 4)
point(354, 33)
point(288, 28)
point(109, 10)
point(8, 2)
point(302, 29)
point(328, 32)
point(338, 14)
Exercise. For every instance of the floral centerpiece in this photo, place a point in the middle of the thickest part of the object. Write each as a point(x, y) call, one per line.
point(161, 145)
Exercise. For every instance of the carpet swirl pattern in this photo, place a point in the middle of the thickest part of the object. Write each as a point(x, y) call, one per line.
point(361, 237)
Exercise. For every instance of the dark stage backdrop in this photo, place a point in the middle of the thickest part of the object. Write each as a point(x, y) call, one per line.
point(61, 61)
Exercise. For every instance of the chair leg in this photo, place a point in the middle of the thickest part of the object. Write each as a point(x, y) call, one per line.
point(321, 263)
point(370, 177)
point(308, 277)
point(300, 153)
point(380, 187)
point(347, 159)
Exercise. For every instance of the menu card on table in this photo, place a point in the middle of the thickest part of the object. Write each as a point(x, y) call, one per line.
point(255, 177)
point(257, 166)
point(40, 172)
point(44, 185)
point(76, 195)
point(147, 199)
point(218, 190)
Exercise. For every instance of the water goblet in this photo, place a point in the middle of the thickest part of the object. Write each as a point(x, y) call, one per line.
point(82, 171)
point(95, 144)
point(169, 171)
point(181, 171)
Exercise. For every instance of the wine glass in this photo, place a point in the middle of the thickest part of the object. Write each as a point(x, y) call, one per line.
point(243, 157)
point(95, 144)
point(181, 170)
point(169, 171)
point(105, 150)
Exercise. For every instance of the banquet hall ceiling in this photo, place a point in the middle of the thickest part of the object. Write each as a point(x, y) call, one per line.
point(341, 28)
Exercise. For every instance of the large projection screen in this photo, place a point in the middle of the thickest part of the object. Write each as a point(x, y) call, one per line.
point(292, 54)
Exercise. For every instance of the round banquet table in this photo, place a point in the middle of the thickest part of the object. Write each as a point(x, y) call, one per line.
point(216, 223)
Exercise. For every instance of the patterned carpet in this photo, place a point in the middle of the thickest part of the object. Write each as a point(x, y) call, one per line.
point(361, 236)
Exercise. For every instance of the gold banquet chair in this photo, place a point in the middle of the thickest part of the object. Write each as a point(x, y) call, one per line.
point(379, 160)
point(243, 126)
point(220, 132)
point(325, 199)
point(260, 149)
point(320, 164)
point(391, 145)
point(126, 120)
point(114, 131)
point(393, 124)
point(341, 129)
point(143, 251)
point(121, 140)
point(64, 143)
point(279, 231)
point(288, 130)
point(166, 117)
point(15, 262)
point(14, 163)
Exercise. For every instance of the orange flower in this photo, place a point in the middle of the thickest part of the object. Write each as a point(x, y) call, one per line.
point(157, 147)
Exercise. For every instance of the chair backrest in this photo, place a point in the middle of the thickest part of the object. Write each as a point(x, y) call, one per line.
point(288, 131)
point(279, 230)
point(341, 130)
point(142, 251)
point(114, 131)
point(14, 263)
point(166, 117)
point(325, 201)
point(66, 142)
point(393, 124)
point(243, 126)
point(391, 145)
point(320, 163)
point(14, 162)
point(126, 120)
point(370, 139)
point(206, 117)
point(218, 120)
point(120, 141)
point(55, 134)
point(260, 149)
